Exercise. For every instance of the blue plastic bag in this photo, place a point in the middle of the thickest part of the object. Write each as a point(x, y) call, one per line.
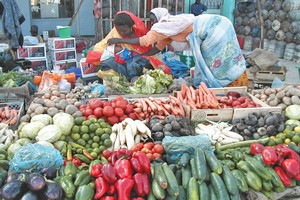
point(178, 68)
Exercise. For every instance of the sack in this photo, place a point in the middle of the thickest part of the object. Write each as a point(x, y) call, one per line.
point(93, 57)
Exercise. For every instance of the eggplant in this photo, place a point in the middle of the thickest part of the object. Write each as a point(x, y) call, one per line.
point(49, 172)
point(52, 191)
point(30, 196)
point(36, 182)
point(16, 176)
point(14, 190)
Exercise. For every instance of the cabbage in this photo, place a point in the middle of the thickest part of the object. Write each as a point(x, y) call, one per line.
point(64, 121)
point(292, 122)
point(45, 143)
point(44, 118)
point(50, 133)
point(293, 112)
point(16, 146)
point(31, 130)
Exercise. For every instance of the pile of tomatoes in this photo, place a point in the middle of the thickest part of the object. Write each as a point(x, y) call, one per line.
point(113, 111)
point(152, 150)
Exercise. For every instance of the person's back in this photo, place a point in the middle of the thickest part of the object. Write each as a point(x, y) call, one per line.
point(198, 8)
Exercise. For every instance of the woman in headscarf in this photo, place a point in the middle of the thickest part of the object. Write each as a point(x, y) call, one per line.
point(218, 57)
point(126, 26)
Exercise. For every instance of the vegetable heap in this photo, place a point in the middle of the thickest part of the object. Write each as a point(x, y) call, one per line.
point(13, 79)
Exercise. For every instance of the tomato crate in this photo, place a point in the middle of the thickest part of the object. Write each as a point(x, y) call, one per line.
point(228, 114)
point(17, 104)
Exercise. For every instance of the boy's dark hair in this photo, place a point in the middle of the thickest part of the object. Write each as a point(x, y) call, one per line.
point(123, 19)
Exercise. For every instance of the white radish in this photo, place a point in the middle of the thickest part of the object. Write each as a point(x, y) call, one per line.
point(137, 139)
point(142, 128)
point(114, 128)
point(232, 134)
point(117, 143)
point(113, 137)
point(121, 134)
point(129, 137)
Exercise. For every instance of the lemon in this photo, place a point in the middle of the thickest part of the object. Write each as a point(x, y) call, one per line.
point(93, 120)
point(99, 131)
point(107, 143)
point(92, 135)
point(278, 141)
point(281, 136)
point(95, 145)
point(90, 141)
point(96, 138)
point(75, 136)
point(84, 129)
point(75, 129)
point(87, 146)
point(79, 120)
point(87, 123)
point(297, 129)
point(104, 136)
point(100, 120)
point(271, 142)
point(62, 138)
point(86, 137)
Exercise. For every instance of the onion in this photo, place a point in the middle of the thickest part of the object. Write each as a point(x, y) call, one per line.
point(233, 94)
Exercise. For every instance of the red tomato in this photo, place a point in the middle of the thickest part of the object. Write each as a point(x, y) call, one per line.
point(138, 146)
point(82, 106)
point(98, 112)
point(95, 103)
point(119, 98)
point(106, 153)
point(121, 104)
point(119, 112)
point(113, 104)
point(145, 150)
point(106, 103)
point(156, 155)
point(150, 156)
point(129, 109)
point(241, 99)
point(108, 111)
point(122, 118)
point(244, 105)
point(132, 116)
point(149, 145)
point(88, 112)
point(158, 148)
point(235, 103)
point(113, 120)
point(104, 118)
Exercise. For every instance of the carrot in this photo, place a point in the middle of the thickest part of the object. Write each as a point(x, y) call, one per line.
point(165, 112)
point(184, 88)
point(167, 107)
point(193, 93)
point(151, 105)
point(160, 117)
point(158, 107)
point(14, 118)
point(200, 94)
point(192, 104)
point(149, 110)
point(179, 96)
point(138, 105)
point(182, 111)
point(137, 110)
point(138, 116)
point(174, 99)
point(144, 105)
point(6, 111)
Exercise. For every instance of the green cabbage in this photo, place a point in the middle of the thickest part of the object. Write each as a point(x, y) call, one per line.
point(44, 118)
point(64, 121)
point(16, 146)
point(31, 130)
point(293, 112)
point(50, 133)
point(292, 122)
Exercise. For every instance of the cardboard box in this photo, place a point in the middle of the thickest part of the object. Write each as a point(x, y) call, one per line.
point(87, 70)
point(68, 64)
point(56, 43)
point(63, 55)
point(36, 52)
point(39, 65)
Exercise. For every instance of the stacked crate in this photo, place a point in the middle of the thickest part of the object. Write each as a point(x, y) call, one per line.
point(63, 52)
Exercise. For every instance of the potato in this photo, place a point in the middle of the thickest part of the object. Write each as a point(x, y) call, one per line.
point(71, 109)
point(57, 100)
point(63, 96)
point(287, 100)
point(63, 104)
point(25, 118)
point(55, 93)
point(47, 95)
point(274, 102)
point(54, 88)
point(49, 104)
point(280, 94)
point(33, 106)
point(268, 91)
point(39, 101)
point(52, 111)
point(77, 114)
point(295, 100)
point(39, 110)
point(77, 104)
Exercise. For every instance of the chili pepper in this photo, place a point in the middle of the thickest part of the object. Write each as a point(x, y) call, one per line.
point(269, 156)
point(108, 198)
point(109, 173)
point(111, 190)
point(286, 180)
point(291, 167)
point(70, 169)
point(289, 153)
point(124, 187)
point(101, 187)
point(144, 161)
point(136, 165)
point(141, 184)
point(96, 170)
point(256, 148)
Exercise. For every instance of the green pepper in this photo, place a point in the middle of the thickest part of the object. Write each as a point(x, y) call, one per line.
point(70, 169)
point(84, 192)
point(229, 163)
point(67, 185)
point(82, 178)
point(237, 156)
point(223, 155)
point(61, 171)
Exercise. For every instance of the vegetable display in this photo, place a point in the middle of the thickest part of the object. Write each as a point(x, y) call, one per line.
point(8, 116)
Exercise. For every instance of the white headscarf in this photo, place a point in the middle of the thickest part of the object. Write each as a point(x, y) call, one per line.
point(170, 25)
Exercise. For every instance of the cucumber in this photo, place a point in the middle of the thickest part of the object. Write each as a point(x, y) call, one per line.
point(178, 176)
point(193, 168)
point(229, 180)
point(279, 189)
point(192, 191)
point(200, 164)
point(235, 196)
point(169, 197)
point(219, 186)
point(160, 176)
point(173, 167)
point(276, 181)
point(203, 191)
point(182, 193)
point(186, 175)
point(172, 186)
point(152, 169)
point(184, 160)
point(212, 192)
point(253, 181)
point(213, 162)
point(258, 168)
point(241, 180)
point(267, 185)
point(151, 196)
point(268, 194)
point(157, 191)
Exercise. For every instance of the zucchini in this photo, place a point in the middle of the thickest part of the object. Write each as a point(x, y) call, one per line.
point(178, 176)
point(172, 167)
point(184, 160)
point(160, 176)
point(219, 186)
point(246, 143)
point(186, 175)
point(157, 191)
point(276, 181)
point(253, 181)
point(213, 162)
point(203, 191)
point(200, 164)
point(258, 168)
point(193, 168)
point(182, 193)
point(241, 180)
point(229, 180)
point(267, 185)
point(212, 192)
point(192, 191)
point(172, 186)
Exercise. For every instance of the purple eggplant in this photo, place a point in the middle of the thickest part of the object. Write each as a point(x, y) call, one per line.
point(36, 182)
point(49, 172)
point(29, 195)
point(16, 176)
point(52, 191)
point(14, 190)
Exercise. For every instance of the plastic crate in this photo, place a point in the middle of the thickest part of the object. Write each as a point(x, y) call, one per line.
point(18, 105)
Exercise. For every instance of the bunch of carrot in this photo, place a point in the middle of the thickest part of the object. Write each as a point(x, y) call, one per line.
point(8, 116)
point(201, 98)
point(147, 107)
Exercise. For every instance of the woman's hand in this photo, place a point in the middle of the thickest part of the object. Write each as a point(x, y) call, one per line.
point(112, 41)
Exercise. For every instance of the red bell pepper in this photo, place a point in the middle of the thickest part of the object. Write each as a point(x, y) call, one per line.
point(111, 190)
point(297, 177)
point(291, 167)
point(136, 165)
point(144, 161)
point(289, 153)
point(109, 173)
point(123, 168)
point(101, 187)
point(285, 179)
point(96, 170)
point(124, 187)
point(108, 198)
point(256, 148)
point(141, 184)
point(269, 156)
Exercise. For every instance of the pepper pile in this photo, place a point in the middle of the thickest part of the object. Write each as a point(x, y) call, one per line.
point(285, 161)
point(126, 174)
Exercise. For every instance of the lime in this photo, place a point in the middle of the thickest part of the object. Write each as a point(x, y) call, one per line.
point(81, 141)
point(87, 123)
point(92, 128)
point(90, 141)
point(271, 142)
point(75, 136)
point(281, 136)
point(278, 141)
point(94, 154)
point(85, 136)
point(62, 138)
point(296, 139)
point(79, 120)
point(99, 131)
point(93, 120)
point(96, 138)
point(103, 124)
point(102, 148)
point(287, 141)
point(104, 136)
point(290, 134)
point(75, 129)
point(79, 151)
point(97, 125)
point(107, 130)
point(107, 143)
point(87, 146)
point(97, 150)
point(100, 120)
point(92, 135)
point(95, 145)
point(84, 129)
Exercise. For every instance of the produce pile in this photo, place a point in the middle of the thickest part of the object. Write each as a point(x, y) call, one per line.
point(148, 148)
